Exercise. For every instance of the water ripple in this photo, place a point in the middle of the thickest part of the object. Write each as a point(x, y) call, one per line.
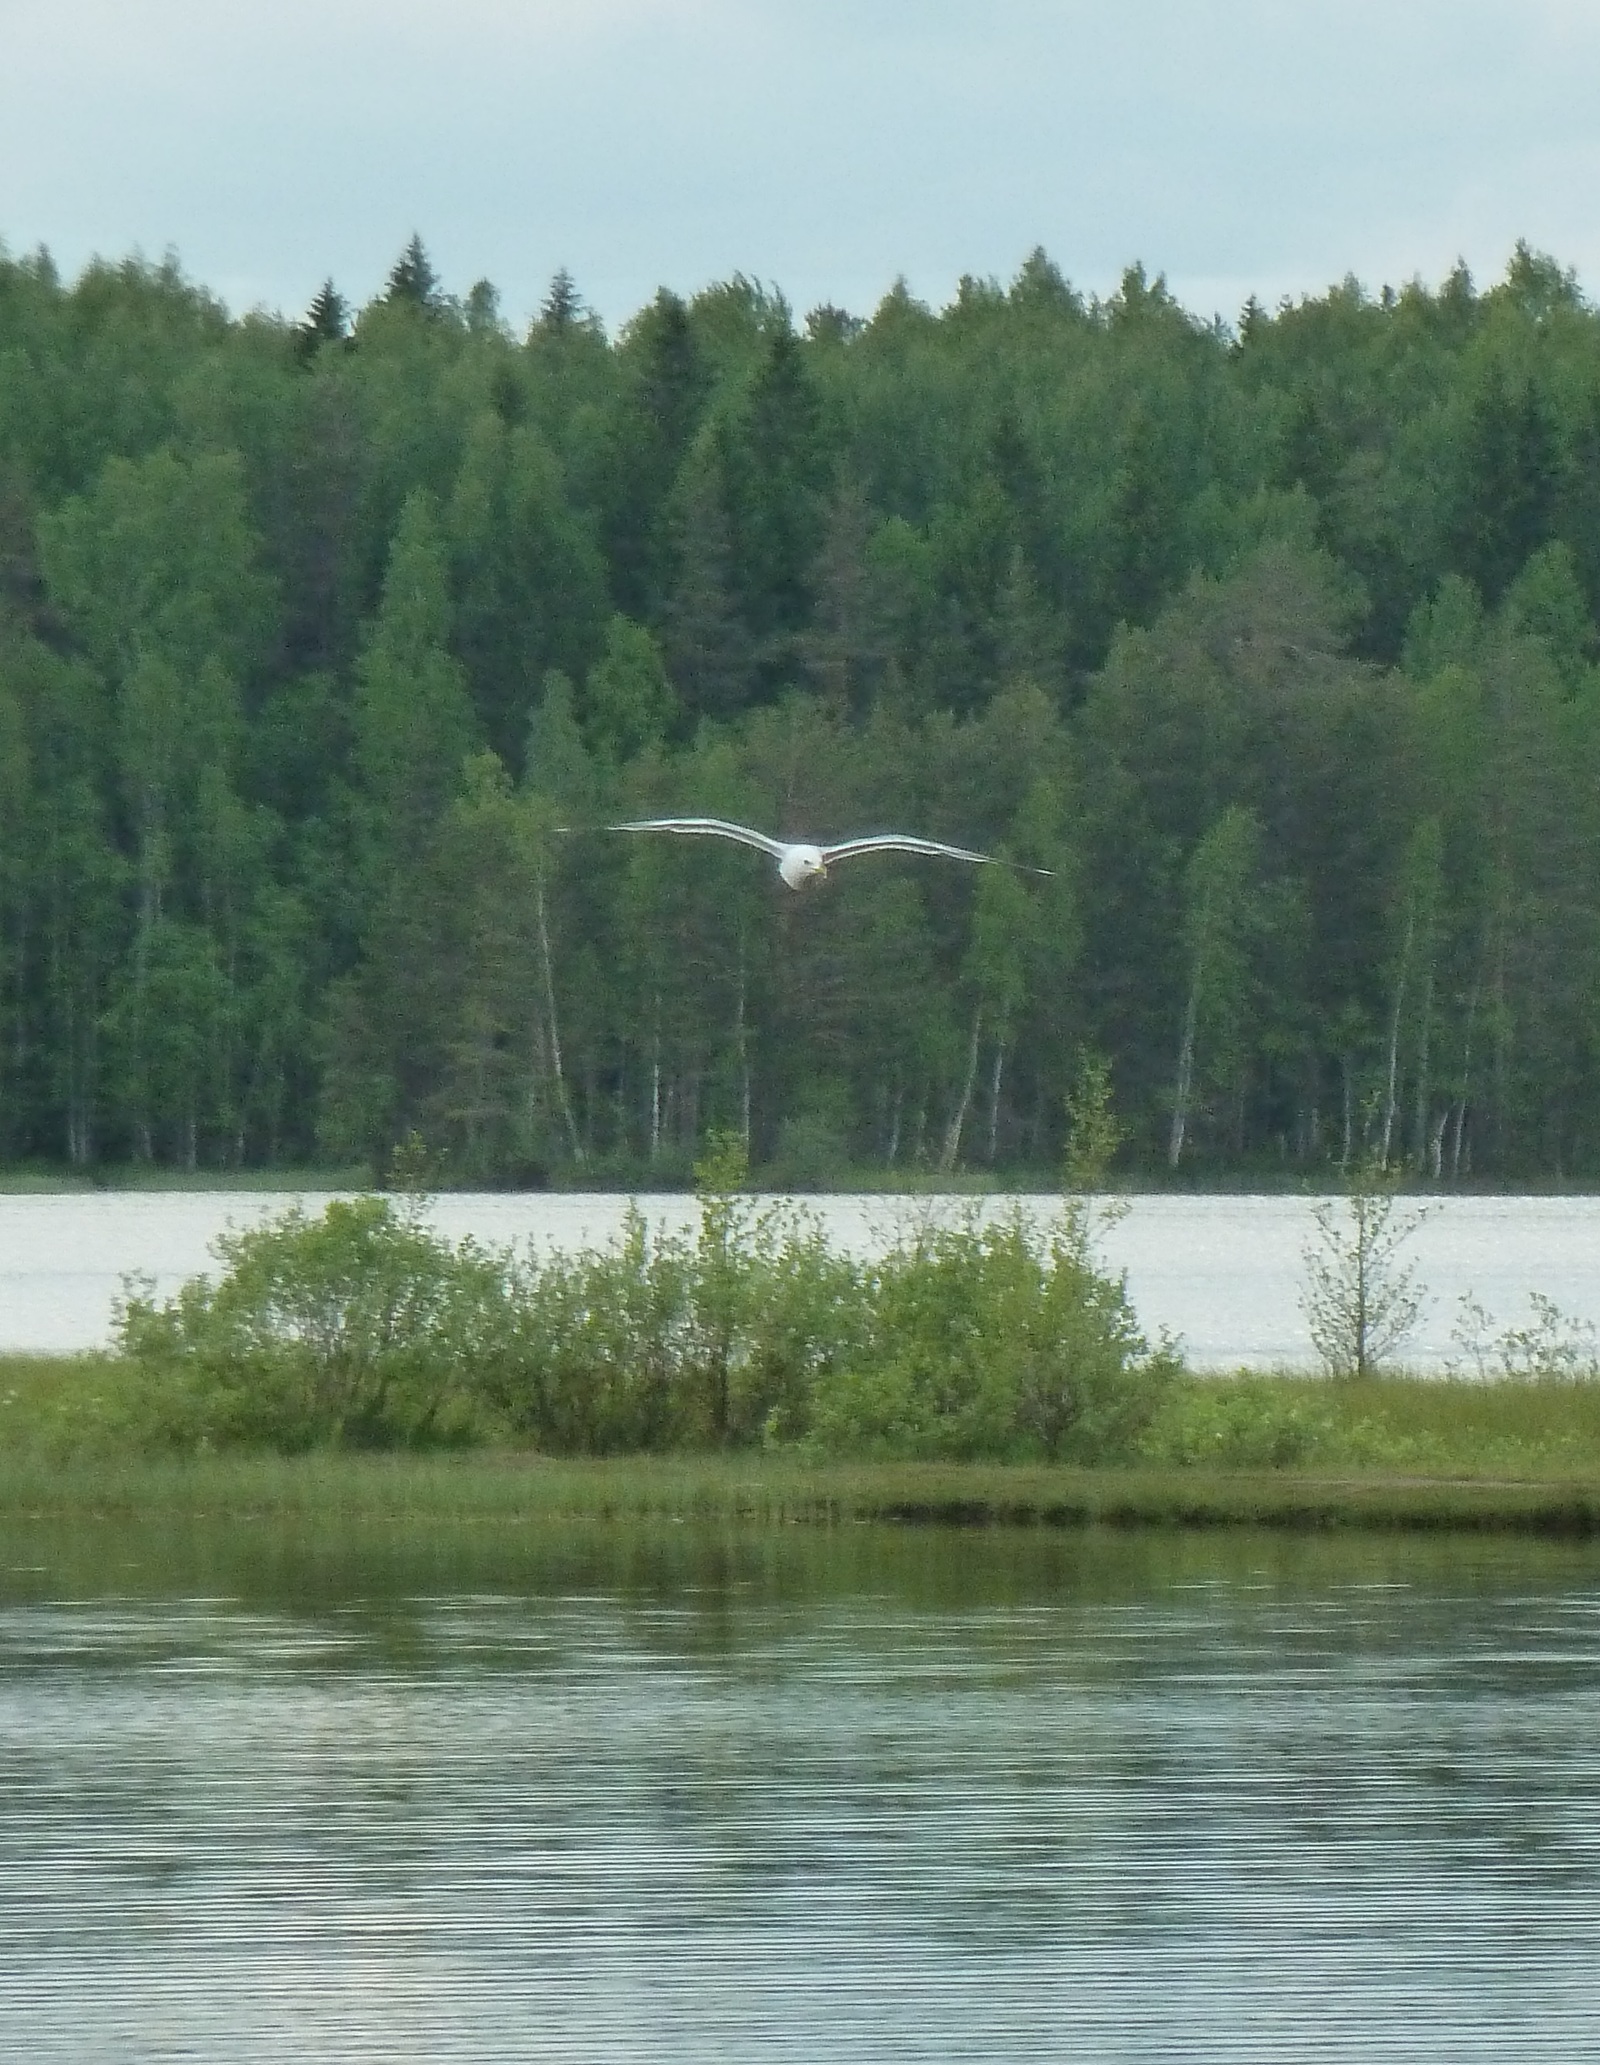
point(1227, 1823)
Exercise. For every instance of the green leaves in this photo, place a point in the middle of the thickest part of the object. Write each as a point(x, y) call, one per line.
point(993, 1340)
point(1089, 582)
point(414, 717)
point(355, 1328)
point(628, 701)
point(363, 1327)
point(1361, 1296)
point(160, 559)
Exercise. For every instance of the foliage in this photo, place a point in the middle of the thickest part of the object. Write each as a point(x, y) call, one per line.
point(660, 1341)
point(362, 1327)
point(987, 1339)
point(1243, 1423)
point(1094, 1132)
point(327, 646)
point(358, 1327)
point(1552, 1348)
point(1492, 1426)
point(96, 1435)
point(1361, 1298)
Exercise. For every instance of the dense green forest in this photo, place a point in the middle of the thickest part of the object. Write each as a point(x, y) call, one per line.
point(323, 645)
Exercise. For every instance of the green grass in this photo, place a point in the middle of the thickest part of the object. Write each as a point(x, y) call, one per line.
point(1393, 1453)
point(1533, 1432)
point(505, 1487)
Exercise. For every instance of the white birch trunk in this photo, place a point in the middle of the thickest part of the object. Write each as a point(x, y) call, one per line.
point(553, 1029)
point(1391, 1089)
point(995, 1076)
point(958, 1118)
point(1183, 1088)
point(741, 1049)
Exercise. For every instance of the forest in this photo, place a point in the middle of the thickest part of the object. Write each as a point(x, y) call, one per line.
point(329, 648)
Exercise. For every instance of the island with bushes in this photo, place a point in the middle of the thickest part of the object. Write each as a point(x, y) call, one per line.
point(985, 1368)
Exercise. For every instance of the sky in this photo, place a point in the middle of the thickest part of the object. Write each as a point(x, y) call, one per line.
point(824, 147)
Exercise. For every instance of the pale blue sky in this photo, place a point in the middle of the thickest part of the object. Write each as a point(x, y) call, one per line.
point(825, 146)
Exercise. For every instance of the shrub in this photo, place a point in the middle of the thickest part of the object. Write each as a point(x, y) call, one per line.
point(994, 1340)
point(1237, 1423)
point(664, 1341)
point(362, 1327)
point(1553, 1348)
point(1361, 1299)
point(358, 1327)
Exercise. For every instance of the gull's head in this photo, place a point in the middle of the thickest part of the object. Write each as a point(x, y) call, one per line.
point(802, 864)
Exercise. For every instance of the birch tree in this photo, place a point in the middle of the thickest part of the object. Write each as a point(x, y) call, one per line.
point(1220, 891)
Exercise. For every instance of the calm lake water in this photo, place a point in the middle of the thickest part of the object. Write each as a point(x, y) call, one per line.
point(1222, 1272)
point(799, 1796)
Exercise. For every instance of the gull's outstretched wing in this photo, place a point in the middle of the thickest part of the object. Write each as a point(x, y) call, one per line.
point(706, 828)
point(902, 842)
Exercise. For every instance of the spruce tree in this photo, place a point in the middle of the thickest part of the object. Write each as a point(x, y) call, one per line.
point(562, 307)
point(1509, 483)
point(412, 281)
point(326, 321)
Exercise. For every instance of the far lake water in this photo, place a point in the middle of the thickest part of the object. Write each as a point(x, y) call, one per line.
point(1223, 1272)
point(806, 1796)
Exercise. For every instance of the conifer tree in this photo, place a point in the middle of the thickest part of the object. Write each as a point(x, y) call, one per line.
point(562, 307)
point(326, 321)
point(412, 281)
point(710, 652)
point(1509, 484)
point(414, 723)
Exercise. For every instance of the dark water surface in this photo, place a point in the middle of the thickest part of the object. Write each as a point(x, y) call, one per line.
point(796, 1795)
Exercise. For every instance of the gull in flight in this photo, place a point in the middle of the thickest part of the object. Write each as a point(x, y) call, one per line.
point(798, 860)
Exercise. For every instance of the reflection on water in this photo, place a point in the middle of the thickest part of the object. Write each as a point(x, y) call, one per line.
point(796, 1796)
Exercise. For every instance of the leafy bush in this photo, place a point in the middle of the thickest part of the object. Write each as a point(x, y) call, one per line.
point(1361, 1298)
point(363, 1327)
point(358, 1327)
point(1237, 1423)
point(665, 1341)
point(994, 1340)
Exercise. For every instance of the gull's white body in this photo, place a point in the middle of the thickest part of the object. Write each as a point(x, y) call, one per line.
point(799, 865)
point(800, 862)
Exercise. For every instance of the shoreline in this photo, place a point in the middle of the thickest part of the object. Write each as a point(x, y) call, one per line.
point(517, 1490)
point(1286, 1450)
point(964, 1185)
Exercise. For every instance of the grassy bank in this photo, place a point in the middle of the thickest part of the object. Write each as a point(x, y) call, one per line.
point(1282, 1451)
point(504, 1488)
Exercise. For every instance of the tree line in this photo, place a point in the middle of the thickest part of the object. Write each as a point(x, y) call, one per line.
point(326, 646)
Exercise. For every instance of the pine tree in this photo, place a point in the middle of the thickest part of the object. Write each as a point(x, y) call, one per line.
point(1508, 485)
point(389, 1018)
point(562, 308)
point(412, 281)
point(326, 321)
point(848, 643)
point(710, 653)
point(773, 477)
point(414, 725)
point(657, 422)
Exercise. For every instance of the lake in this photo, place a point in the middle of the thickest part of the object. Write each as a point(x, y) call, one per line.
point(1222, 1272)
point(797, 1795)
